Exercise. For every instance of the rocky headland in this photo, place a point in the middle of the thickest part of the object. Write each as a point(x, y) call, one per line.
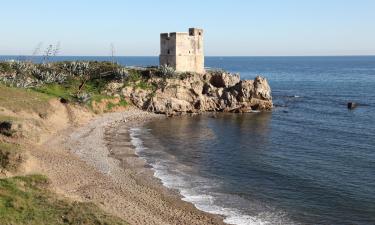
point(216, 91)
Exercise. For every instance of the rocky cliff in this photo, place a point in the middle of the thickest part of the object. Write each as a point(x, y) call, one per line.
point(194, 93)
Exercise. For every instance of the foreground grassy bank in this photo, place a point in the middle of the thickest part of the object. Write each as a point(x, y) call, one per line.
point(27, 200)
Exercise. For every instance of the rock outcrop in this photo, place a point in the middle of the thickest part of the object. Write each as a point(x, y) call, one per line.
point(194, 93)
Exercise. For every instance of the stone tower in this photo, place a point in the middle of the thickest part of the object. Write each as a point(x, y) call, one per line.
point(183, 51)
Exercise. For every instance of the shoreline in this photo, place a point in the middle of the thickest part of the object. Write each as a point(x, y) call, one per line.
point(89, 164)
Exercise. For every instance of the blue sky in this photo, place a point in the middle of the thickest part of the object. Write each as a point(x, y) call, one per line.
point(232, 27)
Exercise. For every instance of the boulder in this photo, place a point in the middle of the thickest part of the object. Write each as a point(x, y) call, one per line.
point(262, 90)
point(352, 105)
point(224, 80)
point(140, 97)
point(127, 91)
point(245, 89)
point(113, 87)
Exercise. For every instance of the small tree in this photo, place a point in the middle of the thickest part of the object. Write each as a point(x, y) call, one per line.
point(51, 50)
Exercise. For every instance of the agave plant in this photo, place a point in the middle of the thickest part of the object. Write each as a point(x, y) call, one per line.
point(77, 68)
point(167, 71)
point(21, 66)
point(46, 74)
point(21, 76)
point(18, 80)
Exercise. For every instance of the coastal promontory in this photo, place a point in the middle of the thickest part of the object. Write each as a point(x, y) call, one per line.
point(214, 91)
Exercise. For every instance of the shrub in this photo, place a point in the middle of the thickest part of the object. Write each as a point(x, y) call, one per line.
point(6, 128)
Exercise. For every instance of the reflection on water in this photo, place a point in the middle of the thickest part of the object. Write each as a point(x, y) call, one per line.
point(194, 140)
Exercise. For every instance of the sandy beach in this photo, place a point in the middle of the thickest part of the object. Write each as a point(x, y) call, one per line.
point(89, 163)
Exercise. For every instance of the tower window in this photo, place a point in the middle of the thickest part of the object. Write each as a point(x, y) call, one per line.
point(169, 52)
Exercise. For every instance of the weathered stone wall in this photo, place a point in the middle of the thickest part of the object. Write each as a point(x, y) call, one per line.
point(183, 51)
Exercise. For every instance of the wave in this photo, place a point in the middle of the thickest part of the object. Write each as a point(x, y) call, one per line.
point(198, 190)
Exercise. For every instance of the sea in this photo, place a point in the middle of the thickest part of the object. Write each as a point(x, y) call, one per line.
point(309, 161)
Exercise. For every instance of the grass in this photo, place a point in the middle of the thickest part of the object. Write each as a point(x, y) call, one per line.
point(10, 157)
point(136, 79)
point(123, 103)
point(17, 99)
point(69, 90)
point(27, 200)
point(111, 105)
point(144, 85)
point(56, 90)
point(36, 99)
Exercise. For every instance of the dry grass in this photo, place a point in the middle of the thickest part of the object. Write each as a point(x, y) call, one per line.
point(27, 200)
point(10, 156)
point(16, 100)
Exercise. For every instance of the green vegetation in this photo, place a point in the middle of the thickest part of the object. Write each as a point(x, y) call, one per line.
point(123, 103)
point(138, 80)
point(56, 90)
point(78, 82)
point(26, 200)
point(144, 85)
point(111, 105)
point(10, 157)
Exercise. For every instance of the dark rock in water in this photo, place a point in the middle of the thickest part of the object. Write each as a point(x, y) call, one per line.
point(6, 128)
point(280, 106)
point(352, 105)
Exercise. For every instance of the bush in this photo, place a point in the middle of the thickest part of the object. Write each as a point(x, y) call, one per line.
point(6, 128)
